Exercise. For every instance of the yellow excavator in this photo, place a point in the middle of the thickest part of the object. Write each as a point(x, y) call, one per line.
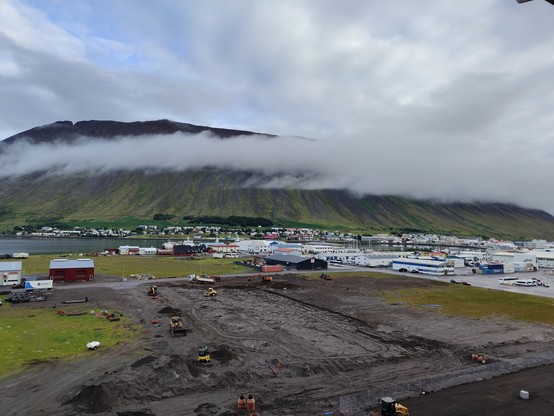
point(211, 292)
point(389, 407)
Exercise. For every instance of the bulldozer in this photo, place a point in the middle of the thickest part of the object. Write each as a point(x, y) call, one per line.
point(390, 407)
point(211, 292)
point(176, 326)
point(203, 355)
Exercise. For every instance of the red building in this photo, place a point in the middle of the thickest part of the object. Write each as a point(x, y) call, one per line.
point(63, 270)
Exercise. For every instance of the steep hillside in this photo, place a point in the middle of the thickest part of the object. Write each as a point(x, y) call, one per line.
point(140, 194)
point(216, 192)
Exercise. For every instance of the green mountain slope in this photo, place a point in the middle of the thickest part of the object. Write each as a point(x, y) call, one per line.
point(140, 194)
point(114, 196)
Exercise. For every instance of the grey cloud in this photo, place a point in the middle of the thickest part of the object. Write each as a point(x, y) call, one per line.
point(361, 166)
point(435, 99)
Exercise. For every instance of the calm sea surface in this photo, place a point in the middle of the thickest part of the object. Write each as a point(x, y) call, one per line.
point(43, 245)
point(40, 245)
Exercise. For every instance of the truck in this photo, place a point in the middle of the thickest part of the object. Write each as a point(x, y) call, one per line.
point(38, 285)
point(200, 279)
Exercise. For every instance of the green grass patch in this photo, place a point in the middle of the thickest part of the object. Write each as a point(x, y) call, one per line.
point(30, 335)
point(474, 302)
point(158, 266)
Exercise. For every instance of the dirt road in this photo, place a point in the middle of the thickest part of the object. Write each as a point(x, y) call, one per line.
point(299, 346)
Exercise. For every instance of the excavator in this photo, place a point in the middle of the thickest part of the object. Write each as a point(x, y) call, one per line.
point(264, 278)
point(390, 407)
point(153, 292)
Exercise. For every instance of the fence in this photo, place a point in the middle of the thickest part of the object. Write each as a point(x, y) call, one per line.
point(358, 404)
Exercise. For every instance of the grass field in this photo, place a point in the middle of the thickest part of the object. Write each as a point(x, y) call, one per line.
point(471, 302)
point(158, 266)
point(477, 302)
point(33, 334)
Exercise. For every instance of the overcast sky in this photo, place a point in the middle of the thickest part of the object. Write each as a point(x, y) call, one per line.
point(433, 99)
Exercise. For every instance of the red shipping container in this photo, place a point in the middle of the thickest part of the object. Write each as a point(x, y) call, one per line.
point(272, 269)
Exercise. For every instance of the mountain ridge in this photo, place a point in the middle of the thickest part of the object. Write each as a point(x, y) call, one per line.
point(69, 131)
point(111, 195)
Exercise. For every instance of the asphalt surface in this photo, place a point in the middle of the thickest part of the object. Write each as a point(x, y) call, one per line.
point(492, 281)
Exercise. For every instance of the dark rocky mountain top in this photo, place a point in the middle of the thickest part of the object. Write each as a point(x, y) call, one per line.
point(69, 131)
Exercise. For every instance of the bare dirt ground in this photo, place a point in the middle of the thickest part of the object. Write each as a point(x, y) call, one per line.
point(299, 346)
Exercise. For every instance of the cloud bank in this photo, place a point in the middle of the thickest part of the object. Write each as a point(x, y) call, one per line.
point(377, 167)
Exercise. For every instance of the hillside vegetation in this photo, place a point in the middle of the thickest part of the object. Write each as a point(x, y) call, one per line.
point(137, 196)
point(110, 197)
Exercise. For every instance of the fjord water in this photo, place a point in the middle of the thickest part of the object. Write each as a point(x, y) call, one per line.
point(59, 246)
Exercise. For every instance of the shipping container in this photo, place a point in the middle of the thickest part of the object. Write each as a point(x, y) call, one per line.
point(272, 269)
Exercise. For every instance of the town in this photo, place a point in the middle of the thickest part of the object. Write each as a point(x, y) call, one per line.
point(312, 249)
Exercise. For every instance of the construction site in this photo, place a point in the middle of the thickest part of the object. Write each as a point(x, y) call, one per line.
point(290, 345)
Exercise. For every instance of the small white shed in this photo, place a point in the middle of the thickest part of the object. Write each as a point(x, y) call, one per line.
point(11, 272)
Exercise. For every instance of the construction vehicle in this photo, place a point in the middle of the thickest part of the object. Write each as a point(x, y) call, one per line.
point(153, 292)
point(325, 276)
point(264, 278)
point(176, 326)
point(200, 279)
point(210, 292)
point(203, 355)
point(390, 407)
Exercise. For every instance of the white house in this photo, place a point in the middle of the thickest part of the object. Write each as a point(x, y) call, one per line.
point(127, 250)
point(147, 251)
point(255, 246)
point(11, 272)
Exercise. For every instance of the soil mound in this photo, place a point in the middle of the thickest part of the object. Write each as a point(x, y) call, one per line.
point(277, 284)
point(143, 361)
point(170, 311)
point(92, 399)
point(206, 409)
point(223, 354)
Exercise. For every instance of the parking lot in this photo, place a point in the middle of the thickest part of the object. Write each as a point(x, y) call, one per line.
point(491, 281)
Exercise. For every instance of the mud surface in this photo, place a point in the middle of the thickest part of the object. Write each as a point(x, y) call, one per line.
point(299, 346)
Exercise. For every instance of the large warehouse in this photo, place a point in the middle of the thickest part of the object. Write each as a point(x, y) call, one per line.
point(63, 270)
point(289, 261)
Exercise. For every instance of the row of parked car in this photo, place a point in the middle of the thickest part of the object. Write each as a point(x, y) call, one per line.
point(463, 282)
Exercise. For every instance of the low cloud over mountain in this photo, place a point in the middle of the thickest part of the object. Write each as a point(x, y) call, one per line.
point(376, 166)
